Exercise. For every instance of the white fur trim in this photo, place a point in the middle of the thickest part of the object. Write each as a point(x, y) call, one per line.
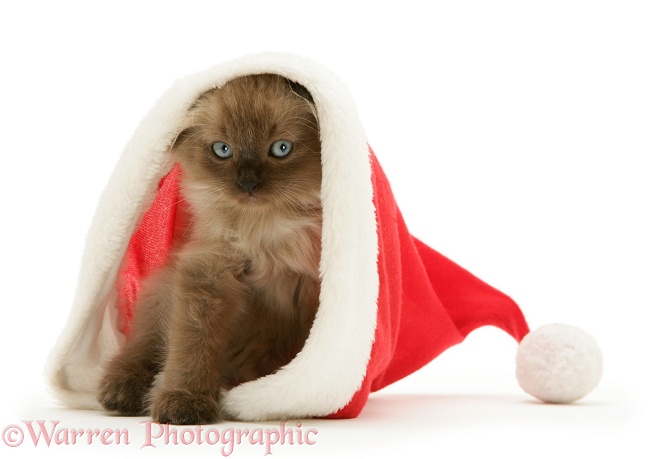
point(331, 367)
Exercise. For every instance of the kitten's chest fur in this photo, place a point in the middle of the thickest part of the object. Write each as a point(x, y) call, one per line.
point(276, 256)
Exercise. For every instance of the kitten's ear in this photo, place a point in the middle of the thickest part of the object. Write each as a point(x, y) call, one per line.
point(182, 138)
point(300, 90)
point(187, 134)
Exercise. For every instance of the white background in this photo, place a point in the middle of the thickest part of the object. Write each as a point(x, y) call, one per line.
point(525, 141)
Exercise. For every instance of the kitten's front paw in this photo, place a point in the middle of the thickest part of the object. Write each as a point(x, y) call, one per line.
point(181, 407)
point(124, 387)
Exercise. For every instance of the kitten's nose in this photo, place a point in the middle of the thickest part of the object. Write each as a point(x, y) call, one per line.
point(248, 183)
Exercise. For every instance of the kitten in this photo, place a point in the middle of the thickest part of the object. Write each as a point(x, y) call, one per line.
point(237, 300)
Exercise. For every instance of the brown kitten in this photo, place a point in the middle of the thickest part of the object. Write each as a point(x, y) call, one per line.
point(237, 301)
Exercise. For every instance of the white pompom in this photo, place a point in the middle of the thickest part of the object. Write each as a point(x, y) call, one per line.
point(559, 363)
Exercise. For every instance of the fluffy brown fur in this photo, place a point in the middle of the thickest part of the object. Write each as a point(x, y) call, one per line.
point(237, 300)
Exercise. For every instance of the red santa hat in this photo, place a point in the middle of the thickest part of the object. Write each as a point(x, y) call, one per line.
point(389, 304)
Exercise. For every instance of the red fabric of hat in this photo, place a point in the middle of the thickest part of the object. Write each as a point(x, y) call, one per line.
point(426, 303)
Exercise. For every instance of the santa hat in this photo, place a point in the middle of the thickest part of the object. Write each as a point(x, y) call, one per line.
point(389, 304)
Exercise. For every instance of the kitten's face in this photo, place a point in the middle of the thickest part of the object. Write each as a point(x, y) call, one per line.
point(253, 144)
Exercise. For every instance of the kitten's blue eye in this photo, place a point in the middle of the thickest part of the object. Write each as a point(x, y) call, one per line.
point(281, 148)
point(222, 150)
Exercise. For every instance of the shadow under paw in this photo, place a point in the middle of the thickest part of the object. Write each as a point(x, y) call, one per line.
point(181, 407)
